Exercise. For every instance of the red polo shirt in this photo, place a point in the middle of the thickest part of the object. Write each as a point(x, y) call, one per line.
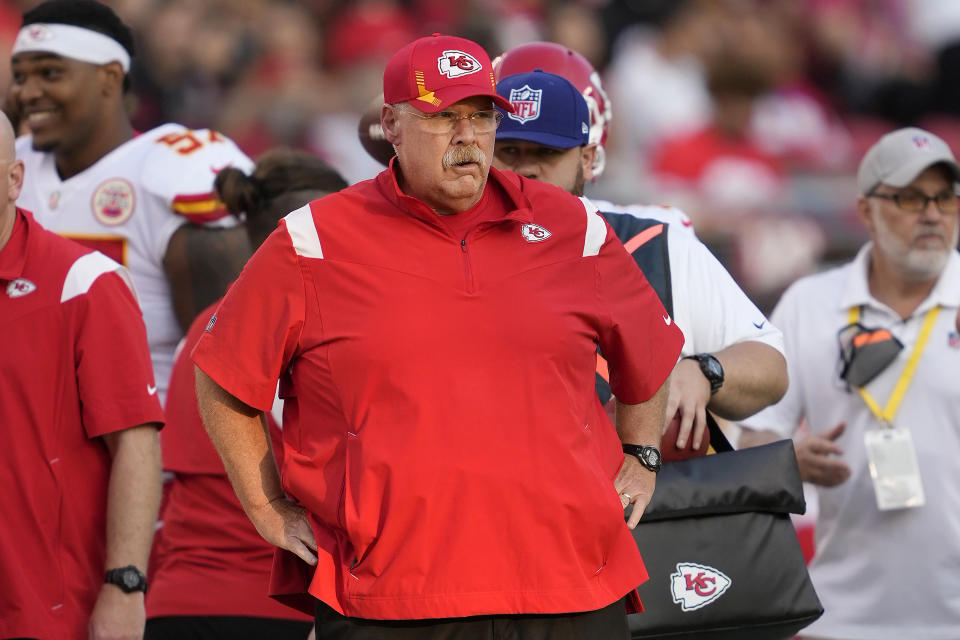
point(74, 365)
point(440, 417)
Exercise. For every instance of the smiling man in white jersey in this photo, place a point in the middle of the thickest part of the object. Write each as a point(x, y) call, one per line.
point(145, 200)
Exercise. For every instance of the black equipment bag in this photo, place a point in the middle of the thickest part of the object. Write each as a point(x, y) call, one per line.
point(722, 554)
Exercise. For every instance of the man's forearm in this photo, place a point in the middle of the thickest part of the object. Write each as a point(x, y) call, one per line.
point(239, 433)
point(641, 423)
point(755, 376)
point(133, 496)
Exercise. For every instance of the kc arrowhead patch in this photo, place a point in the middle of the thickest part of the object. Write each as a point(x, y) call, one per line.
point(696, 585)
point(534, 233)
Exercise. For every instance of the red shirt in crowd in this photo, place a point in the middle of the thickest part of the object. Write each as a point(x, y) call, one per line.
point(74, 365)
point(209, 559)
point(440, 419)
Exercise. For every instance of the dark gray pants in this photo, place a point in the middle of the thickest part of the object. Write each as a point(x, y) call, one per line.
point(609, 623)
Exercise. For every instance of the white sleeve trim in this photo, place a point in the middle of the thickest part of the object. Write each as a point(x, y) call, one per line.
point(85, 271)
point(596, 229)
point(303, 233)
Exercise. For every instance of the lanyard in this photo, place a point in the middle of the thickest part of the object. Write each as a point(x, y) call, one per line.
point(886, 413)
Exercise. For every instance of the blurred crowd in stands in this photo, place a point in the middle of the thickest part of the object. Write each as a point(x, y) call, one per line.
point(748, 114)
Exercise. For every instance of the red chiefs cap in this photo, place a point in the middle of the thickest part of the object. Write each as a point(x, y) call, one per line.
point(432, 73)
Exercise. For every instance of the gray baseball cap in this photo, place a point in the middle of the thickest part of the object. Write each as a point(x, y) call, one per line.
point(900, 156)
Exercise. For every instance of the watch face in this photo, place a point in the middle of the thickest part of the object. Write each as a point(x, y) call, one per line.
point(652, 456)
point(714, 368)
point(130, 579)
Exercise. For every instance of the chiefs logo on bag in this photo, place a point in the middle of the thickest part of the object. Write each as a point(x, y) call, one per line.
point(697, 585)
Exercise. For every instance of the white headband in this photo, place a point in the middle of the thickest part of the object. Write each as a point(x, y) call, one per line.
point(71, 42)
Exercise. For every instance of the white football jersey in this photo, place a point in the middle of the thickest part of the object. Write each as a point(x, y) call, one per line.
point(708, 305)
point(676, 218)
point(128, 204)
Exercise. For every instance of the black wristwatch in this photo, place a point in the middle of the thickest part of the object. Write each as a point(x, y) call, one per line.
point(711, 368)
point(128, 578)
point(649, 456)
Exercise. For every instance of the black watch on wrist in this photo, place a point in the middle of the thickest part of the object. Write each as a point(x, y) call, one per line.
point(649, 456)
point(711, 368)
point(128, 578)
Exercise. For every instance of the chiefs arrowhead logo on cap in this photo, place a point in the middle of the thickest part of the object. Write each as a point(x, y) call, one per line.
point(453, 63)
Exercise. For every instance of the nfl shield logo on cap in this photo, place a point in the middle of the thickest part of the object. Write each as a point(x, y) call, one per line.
point(526, 103)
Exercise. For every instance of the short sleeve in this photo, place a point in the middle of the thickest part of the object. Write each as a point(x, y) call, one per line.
point(711, 308)
point(784, 416)
point(637, 337)
point(255, 331)
point(114, 374)
point(183, 166)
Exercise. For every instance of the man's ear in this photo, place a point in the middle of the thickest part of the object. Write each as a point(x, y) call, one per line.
point(587, 157)
point(15, 180)
point(864, 213)
point(111, 75)
point(390, 124)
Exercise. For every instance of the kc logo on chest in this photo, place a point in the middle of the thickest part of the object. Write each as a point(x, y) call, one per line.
point(534, 233)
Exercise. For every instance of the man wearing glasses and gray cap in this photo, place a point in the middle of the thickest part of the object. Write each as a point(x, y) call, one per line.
point(883, 416)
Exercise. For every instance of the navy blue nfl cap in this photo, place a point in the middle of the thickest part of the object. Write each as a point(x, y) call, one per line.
point(547, 110)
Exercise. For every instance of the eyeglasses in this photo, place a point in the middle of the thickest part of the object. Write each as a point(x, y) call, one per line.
point(446, 121)
point(915, 201)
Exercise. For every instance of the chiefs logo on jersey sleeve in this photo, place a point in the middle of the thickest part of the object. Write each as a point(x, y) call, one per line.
point(113, 201)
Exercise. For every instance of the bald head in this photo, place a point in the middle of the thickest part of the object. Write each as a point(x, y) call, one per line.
point(11, 171)
point(7, 137)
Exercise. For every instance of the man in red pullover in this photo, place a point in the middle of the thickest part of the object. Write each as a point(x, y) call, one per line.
point(434, 332)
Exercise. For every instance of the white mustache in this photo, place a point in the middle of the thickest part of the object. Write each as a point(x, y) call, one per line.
point(459, 155)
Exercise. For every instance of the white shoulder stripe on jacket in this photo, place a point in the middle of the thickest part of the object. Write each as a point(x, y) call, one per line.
point(303, 233)
point(596, 229)
point(85, 271)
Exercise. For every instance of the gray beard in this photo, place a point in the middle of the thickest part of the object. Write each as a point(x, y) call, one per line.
point(918, 265)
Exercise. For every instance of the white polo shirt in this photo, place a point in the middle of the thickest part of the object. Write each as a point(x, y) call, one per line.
point(880, 575)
